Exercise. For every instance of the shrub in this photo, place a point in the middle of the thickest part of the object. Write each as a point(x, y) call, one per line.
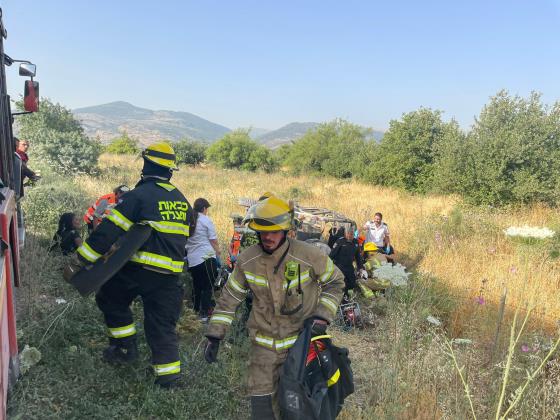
point(407, 155)
point(190, 152)
point(281, 153)
point(59, 139)
point(512, 154)
point(237, 150)
point(44, 203)
point(123, 145)
point(69, 152)
point(333, 148)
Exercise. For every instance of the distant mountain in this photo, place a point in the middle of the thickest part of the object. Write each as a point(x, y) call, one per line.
point(146, 125)
point(294, 131)
point(286, 134)
point(256, 132)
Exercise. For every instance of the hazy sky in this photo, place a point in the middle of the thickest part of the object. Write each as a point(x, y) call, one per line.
point(264, 63)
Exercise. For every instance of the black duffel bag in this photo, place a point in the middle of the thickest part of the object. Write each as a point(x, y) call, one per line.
point(316, 378)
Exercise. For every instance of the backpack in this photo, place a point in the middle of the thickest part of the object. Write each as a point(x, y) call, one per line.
point(316, 378)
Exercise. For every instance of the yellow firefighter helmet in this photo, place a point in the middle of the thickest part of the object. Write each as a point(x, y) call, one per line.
point(162, 154)
point(269, 215)
point(370, 247)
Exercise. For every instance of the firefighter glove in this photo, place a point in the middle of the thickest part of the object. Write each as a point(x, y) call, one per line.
point(363, 274)
point(318, 326)
point(211, 350)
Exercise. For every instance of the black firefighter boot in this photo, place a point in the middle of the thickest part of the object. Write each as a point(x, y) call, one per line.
point(121, 353)
point(173, 381)
point(261, 408)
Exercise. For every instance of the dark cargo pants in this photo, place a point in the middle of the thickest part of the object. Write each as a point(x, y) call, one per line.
point(161, 295)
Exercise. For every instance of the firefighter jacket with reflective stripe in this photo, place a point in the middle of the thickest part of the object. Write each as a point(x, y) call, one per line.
point(110, 199)
point(282, 300)
point(164, 208)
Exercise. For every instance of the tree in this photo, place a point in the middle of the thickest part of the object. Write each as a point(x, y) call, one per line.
point(513, 152)
point(407, 154)
point(50, 116)
point(59, 139)
point(450, 161)
point(190, 152)
point(237, 150)
point(333, 148)
point(281, 153)
point(123, 145)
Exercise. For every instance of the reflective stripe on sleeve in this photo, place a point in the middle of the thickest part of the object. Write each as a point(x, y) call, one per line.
point(234, 285)
point(331, 304)
point(156, 260)
point(168, 368)
point(119, 219)
point(256, 280)
point(122, 332)
point(328, 271)
point(88, 253)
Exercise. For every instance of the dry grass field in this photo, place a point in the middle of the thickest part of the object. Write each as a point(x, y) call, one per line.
point(465, 249)
point(404, 367)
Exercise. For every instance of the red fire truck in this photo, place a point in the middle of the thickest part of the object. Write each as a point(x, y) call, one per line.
point(11, 221)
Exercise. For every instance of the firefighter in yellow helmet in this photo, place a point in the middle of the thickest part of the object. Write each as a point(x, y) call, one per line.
point(153, 271)
point(162, 155)
point(291, 282)
point(368, 283)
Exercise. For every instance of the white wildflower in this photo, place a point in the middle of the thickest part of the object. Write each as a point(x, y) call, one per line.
point(28, 357)
point(396, 274)
point(529, 232)
point(433, 320)
point(60, 301)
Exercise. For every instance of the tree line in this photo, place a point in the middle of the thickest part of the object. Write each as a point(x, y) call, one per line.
point(510, 155)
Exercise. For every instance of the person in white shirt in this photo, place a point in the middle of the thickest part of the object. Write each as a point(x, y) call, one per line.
point(377, 232)
point(203, 256)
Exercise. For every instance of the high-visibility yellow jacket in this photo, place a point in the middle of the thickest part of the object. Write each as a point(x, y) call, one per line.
point(274, 295)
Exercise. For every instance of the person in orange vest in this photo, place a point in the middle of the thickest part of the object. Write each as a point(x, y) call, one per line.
point(103, 206)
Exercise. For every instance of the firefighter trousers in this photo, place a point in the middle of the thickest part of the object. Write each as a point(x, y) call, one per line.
point(162, 296)
point(265, 367)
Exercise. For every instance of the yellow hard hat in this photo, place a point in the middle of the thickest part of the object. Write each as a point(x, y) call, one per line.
point(161, 154)
point(370, 247)
point(269, 215)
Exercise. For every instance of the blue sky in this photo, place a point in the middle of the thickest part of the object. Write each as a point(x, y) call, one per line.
point(265, 64)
